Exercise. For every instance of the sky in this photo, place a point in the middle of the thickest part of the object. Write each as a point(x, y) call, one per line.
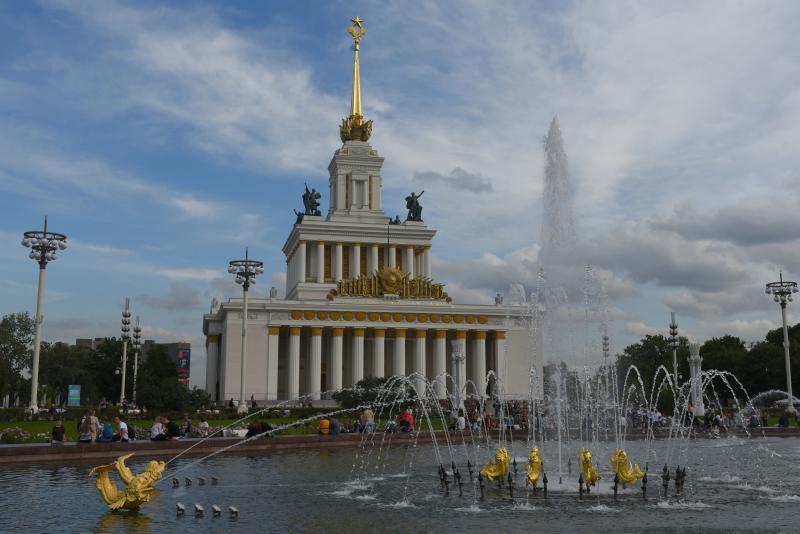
point(164, 138)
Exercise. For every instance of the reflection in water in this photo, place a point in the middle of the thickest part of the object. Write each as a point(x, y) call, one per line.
point(132, 522)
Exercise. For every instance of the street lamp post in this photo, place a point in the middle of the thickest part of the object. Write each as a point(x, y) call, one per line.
point(245, 271)
point(137, 345)
point(674, 341)
point(43, 245)
point(781, 292)
point(126, 335)
point(458, 357)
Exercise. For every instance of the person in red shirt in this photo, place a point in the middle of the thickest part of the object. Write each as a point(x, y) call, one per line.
point(406, 421)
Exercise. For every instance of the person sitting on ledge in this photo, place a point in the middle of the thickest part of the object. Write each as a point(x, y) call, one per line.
point(406, 421)
point(203, 426)
point(325, 426)
point(231, 404)
point(157, 431)
point(122, 434)
point(106, 431)
point(57, 434)
point(172, 430)
point(253, 429)
point(86, 430)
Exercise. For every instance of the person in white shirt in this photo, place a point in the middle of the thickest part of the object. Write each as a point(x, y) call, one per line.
point(202, 427)
point(122, 434)
point(461, 422)
point(157, 431)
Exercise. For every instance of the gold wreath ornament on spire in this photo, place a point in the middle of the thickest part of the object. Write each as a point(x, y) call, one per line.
point(354, 128)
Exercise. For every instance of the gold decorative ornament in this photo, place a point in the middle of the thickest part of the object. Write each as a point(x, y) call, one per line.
point(296, 315)
point(410, 317)
point(482, 319)
point(322, 315)
point(435, 318)
point(386, 317)
point(590, 474)
point(334, 316)
point(372, 316)
point(534, 467)
point(138, 488)
point(458, 319)
point(397, 317)
point(470, 319)
point(308, 315)
point(446, 318)
point(628, 472)
point(316, 331)
point(347, 316)
point(274, 330)
point(389, 281)
point(354, 128)
point(497, 468)
point(422, 318)
point(360, 316)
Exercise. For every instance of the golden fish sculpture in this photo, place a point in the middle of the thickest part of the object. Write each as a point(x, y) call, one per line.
point(137, 487)
point(497, 468)
point(590, 475)
point(625, 470)
point(534, 467)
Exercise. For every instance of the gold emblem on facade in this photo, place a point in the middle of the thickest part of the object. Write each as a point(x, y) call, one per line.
point(389, 281)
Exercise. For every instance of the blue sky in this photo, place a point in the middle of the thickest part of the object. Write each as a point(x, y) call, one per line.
point(163, 138)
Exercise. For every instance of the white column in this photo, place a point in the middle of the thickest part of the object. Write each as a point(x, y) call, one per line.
point(335, 371)
point(320, 262)
point(460, 345)
point(378, 352)
point(408, 261)
point(479, 366)
point(392, 255)
point(301, 258)
point(355, 260)
point(419, 362)
point(373, 259)
point(337, 266)
point(294, 362)
point(315, 364)
point(440, 363)
point(272, 362)
point(399, 351)
point(500, 352)
point(358, 355)
point(426, 262)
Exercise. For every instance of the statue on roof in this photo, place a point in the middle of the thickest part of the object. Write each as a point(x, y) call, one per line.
point(414, 207)
point(311, 202)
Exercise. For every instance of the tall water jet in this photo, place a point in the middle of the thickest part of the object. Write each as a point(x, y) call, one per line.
point(558, 223)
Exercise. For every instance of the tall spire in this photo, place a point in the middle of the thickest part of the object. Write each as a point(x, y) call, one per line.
point(354, 128)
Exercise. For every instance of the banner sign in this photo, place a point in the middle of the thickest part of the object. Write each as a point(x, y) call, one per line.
point(184, 357)
point(74, 395)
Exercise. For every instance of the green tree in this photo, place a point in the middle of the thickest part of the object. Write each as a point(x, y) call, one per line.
point(16, 338)
point(367, 391)
point(158, 386)
point(648, 355)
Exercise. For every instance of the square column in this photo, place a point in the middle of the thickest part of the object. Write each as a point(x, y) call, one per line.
point(372, 265)
point(399, 351)
point(378, 352)
point(301, 262)
point(419, 362)
point(273, 341)
point(355, 260)
point(212, 366)
point(479, 365)
point(337, 262)
point(408, 261)
point(460, 367)
point(321, 262)
point(294, 362)
point(500, 354)
point(392, 256)
point(335, 371)
point(358, 355)
point(315, 364)
point(440, 363)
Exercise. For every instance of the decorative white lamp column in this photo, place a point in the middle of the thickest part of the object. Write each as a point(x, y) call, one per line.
point(782, 291)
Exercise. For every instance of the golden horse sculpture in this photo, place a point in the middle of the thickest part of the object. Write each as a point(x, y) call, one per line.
point(497, 468)
point(534, 467)
point(590, 475)
point(625, 470)
point(138, 487)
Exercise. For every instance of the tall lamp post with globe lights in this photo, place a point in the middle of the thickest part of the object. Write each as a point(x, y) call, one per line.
point(674, 342)
point(126, 335)
point(781, 292)
point(245, 271)
point(43, 245)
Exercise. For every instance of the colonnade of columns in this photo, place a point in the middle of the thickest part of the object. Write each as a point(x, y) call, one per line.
point(308, 263)
point(421, 365)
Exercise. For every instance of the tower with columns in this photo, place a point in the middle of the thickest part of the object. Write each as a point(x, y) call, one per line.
point(359, 303)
